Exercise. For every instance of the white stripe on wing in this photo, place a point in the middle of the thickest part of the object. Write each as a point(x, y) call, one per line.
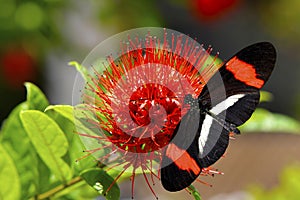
point(207, 122)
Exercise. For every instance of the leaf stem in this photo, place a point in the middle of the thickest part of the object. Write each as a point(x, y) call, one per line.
point(59, 188)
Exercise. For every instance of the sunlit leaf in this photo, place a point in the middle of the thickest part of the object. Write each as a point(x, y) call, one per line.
point(101, 181)
point(14, 139)
point(64, 110)
point(10, 182)
point(35, 97)
point(64, 117)
point(49, 141)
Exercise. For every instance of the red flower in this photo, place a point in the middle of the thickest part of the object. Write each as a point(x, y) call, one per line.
point(211, 9)
point(137, 99)
point(17, 67)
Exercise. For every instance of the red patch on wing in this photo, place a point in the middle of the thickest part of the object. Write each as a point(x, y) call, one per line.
point(182, 159)
point(244, 72)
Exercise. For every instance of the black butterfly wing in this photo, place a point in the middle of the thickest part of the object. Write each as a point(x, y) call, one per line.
point(231, 96)
point(180, 165)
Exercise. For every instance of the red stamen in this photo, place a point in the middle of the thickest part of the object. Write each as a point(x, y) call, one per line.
point(203, 182)
point(114, 182)
point(147, 181)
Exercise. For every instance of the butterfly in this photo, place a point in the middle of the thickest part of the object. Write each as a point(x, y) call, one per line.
point(227, 101)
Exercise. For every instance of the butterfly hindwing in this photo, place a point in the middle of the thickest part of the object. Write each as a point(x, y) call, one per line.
point(180, 165)
point(182, 172)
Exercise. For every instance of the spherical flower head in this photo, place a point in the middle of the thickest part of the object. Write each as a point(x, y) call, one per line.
point(133, 97)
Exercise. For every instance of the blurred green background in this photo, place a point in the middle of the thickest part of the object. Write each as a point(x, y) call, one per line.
point(39, 37)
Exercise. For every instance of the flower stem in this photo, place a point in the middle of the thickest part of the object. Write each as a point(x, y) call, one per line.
point(59, 188)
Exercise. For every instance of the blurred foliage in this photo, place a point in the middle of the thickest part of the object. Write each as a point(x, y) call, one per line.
point(28, 29)
point(296, 104)
point(130, 14)
point(31, 21)
point(146, 13)
point(265, 96)
point(288, 188)
point(263, 120)
point(280, 18)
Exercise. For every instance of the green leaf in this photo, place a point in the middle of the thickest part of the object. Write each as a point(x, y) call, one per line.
point(64, 110)
point(35, 97)
point(14, 139)
point(265, 121)
point(49, 141)
point(194, 192)
point(64, 117)
point(10, 182)
point(101, 181)
point(81, 69)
